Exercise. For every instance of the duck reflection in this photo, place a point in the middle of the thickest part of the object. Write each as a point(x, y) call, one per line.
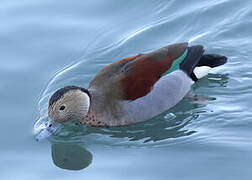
point(174, 123)
point(70, 156)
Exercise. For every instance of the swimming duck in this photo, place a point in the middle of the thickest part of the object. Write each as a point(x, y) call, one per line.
point(132, 89)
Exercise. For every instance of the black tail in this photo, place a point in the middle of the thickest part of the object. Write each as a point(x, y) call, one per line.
point(196, 58)
point(212, 60)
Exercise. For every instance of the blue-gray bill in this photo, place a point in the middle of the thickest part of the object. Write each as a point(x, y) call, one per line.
point(47, 131)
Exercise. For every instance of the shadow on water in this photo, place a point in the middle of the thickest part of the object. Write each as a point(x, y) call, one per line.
point(70, 156)
point(68, 145)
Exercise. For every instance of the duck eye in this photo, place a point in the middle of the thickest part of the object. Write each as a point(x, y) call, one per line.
point(62, 107)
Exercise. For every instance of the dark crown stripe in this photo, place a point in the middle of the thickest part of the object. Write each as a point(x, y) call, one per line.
point(60, 93)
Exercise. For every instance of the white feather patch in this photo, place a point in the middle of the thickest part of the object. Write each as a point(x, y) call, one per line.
point(201, 71)
point(86, 99)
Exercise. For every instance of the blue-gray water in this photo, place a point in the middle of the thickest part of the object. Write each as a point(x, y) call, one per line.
point(207, 136)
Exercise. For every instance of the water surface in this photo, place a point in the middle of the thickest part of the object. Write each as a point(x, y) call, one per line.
point(45, 45)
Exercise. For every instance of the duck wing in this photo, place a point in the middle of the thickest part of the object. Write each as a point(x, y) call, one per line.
point(133, 77)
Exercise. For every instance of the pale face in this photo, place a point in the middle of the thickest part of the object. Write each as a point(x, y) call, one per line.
point(72, 106)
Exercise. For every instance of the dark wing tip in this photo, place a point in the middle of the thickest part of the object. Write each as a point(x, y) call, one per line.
point(192, 59)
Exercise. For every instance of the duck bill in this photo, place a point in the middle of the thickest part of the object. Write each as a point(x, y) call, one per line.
point(49, 130)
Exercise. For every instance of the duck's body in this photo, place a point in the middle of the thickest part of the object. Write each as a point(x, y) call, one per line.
point(133, 89)
point(123, 112)
point(141, 87)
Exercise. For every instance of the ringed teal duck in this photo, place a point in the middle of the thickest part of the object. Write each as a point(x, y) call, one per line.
point(133, 89)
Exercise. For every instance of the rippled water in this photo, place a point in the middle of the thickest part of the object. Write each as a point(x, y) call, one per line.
point(46, 44)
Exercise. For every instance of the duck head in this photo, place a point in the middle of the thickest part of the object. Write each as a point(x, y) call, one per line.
point(70, 103)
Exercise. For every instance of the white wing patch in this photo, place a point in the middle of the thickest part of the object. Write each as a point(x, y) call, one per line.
point(201, 71)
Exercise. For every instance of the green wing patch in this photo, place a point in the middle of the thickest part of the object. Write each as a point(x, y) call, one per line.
point(176, 62)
